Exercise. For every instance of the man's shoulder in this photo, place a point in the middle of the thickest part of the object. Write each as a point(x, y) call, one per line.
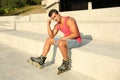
point(71, 19)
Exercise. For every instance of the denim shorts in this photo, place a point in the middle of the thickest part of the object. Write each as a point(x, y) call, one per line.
point(72, 43)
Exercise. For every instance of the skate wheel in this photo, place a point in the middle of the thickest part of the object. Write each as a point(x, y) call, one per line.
point(62, 71)
point(30, 61)
point(59, 72)
point(34, 63)
point(37, 65)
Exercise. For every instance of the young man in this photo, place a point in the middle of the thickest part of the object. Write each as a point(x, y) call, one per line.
point(71, 38)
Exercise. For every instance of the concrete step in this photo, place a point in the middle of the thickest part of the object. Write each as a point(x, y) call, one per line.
point(39, 17)
point(14, 67)
point(34, 26)
point(14, 18)
point(26, 41)
point(97, 59)
point(101, 24)
point(7, 24)
point(105, 31)
point(96, 15)
point(37, 27)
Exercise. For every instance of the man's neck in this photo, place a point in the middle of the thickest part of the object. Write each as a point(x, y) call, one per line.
point(61, 20)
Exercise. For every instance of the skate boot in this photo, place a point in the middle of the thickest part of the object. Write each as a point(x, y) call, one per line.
point(65, 66)
point(37, 61)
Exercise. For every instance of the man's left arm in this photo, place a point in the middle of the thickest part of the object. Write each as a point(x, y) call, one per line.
point(73, 28)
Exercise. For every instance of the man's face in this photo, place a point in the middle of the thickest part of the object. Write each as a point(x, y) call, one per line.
point(56, 17)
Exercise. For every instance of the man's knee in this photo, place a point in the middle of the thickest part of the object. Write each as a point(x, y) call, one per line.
point(49, 41)
point(61, 43)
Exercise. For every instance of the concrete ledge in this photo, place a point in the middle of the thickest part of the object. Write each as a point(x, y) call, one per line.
point(96, 15)
point(101, 24)
point(105, 31)
point(38, 17)
point(7, 25)
point(34, 26)
point(38, 27)
point(18, 68)
point(14, 18)
point(25, 41)
point(97, 59)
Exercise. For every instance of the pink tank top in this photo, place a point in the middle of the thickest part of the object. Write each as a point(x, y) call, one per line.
point(66, 31)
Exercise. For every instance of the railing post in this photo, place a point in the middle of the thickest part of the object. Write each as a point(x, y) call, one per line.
point(89, 5)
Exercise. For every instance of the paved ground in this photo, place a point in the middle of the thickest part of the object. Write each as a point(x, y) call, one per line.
point(13, 66)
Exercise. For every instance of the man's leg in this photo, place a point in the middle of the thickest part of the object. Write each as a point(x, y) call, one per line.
point(65, 46)
point(41, 59)
point(62, 44)
point(47, 46)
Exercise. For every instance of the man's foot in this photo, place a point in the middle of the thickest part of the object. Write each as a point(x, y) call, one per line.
point(37, 61)
point(65, 66)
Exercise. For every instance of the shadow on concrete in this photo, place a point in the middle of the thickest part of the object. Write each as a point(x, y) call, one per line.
point(85, 39)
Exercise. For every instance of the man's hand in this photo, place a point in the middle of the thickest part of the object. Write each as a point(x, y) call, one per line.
point(49, 21)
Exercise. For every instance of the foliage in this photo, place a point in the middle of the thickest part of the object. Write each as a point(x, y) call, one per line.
point(2, 11)
point(34, 2)
point(7, 6)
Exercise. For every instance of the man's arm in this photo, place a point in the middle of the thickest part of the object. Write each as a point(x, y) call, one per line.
point(73, 28)
point(53, 32)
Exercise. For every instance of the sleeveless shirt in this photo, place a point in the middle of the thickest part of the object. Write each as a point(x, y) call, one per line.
point(66, 31)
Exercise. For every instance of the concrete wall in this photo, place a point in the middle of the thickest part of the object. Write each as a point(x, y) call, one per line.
point(101, 24)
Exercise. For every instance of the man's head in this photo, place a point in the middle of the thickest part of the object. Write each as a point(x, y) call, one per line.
point(54, 14)
point(52, 11)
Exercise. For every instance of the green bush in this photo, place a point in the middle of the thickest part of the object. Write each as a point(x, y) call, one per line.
point(20, 4)
point(37, 1)
point(34, 2)
point(7, 6)
point(2, 12)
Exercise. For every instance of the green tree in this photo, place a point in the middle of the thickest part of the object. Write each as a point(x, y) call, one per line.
point(7, 6)
point(33, 2)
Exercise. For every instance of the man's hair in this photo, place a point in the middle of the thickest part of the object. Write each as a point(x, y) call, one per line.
point(52, 11)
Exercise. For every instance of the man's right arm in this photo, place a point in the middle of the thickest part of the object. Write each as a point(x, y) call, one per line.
point(53, 32)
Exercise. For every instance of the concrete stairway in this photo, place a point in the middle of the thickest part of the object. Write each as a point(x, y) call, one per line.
point(13, 66)
point(99, 54)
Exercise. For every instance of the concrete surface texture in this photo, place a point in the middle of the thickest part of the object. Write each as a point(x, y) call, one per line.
point(98, 58)
point(14, 66)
